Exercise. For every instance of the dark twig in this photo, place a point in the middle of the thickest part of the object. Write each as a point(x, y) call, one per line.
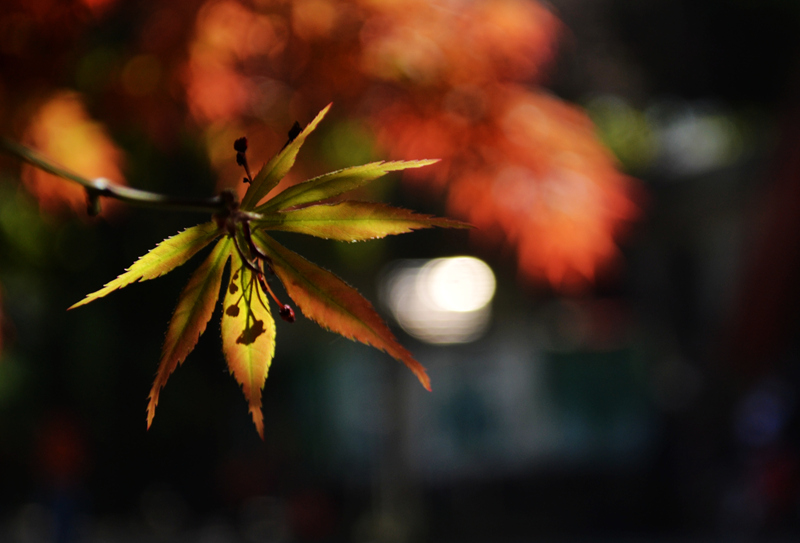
point(96, 188)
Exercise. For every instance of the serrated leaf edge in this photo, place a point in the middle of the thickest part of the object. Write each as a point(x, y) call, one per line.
point(266, 179)
point(147, 266)
point(386, 340)
point(339, 183)
point(303, 221)
point(258, 306)
point(198, 299)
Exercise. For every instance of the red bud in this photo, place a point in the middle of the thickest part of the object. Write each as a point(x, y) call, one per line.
point(287, 313)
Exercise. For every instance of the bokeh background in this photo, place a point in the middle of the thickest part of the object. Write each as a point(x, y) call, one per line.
point(626, 370)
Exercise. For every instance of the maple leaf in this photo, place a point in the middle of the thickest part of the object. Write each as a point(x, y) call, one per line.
point(248, 328)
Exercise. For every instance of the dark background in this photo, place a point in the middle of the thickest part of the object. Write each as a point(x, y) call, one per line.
point(659, 405)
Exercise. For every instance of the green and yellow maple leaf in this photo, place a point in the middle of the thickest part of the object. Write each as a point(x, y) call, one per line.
point(248, 328)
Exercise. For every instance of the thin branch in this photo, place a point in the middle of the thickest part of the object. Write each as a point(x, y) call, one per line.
point(104, 187)
point(251, 265)
point(248, 237)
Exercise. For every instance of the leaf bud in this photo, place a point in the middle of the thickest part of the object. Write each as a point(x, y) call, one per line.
point(287, 313)
point(295, 131)
point(240, 145)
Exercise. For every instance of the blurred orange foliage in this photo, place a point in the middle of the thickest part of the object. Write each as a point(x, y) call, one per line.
point(98, 7)
point(455, 80)
point(531, 175)
point(459, 80)
point(62, 130)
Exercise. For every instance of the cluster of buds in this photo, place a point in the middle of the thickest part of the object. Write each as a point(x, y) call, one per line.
point(257, 262)
point(240, 146)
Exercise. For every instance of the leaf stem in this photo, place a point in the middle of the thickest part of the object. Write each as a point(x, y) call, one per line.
point(103, 187)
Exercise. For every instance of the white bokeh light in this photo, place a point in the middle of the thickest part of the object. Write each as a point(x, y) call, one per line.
point(446, 300)
point(459, 284)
